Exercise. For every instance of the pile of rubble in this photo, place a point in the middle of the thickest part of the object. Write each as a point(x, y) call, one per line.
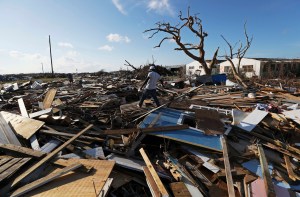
point(90, 139)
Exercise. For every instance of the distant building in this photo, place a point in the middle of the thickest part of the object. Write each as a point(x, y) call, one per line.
point(264, 67)
point(195, 68)
point(176, 68)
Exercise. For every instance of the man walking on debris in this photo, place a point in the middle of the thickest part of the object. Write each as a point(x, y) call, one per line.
point(150, 88)
point(70, 77)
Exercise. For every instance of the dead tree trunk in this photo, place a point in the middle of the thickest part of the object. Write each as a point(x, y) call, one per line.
point(194, 25)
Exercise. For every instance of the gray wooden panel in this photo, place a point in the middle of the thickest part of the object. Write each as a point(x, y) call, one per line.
point(4, 160)
point(13, 168)
point(9, 164)
point(6, 133)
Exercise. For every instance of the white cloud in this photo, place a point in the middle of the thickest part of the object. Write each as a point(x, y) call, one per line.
point(160, 6)
point(27, 56)
point(119, 6)
point(172, 41)
point(72, 53)
point(117, 38)
point(106, 48)
point(65, 44)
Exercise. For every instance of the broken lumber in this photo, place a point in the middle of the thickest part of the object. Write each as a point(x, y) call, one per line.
point(162, 190)
point(265, 171)
point(145, 130)
point(229, 180)
point(48, 157)
point(22, 150)
point(44, 180)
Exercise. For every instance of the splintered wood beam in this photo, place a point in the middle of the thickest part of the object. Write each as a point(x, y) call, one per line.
point(289, 168)
point(48, 157)
point(44, 180)
point(229, 180)
point(22, 150)
point(151, 183)
point(154, 174)
point(265, 172)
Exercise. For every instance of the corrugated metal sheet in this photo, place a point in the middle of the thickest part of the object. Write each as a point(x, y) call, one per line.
point(192, 136)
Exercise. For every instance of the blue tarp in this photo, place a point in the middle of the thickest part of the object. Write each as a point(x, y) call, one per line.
point(219, 78)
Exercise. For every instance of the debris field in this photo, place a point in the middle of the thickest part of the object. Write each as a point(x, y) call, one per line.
point(89, 138)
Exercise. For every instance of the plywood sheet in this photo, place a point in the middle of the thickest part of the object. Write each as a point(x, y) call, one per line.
point(250, 122)
point(209, 121)
point(78, 183)
point(7, 136)
point(9, 166)
point(293, 114)
point(23, 126)
point(179, 189)
point(49, 98)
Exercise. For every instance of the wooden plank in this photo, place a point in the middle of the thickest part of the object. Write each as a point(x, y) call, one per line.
point(9, 164)
point(78, 183)
point(57, 133)
point(23, 126)
point(106, 187)
point(289, 168)
point(39, 113)
point(6, 133)
point(47, 102)
point(209, 121)
point(137, 142)
point(151, 183)
point(229, 180)
point(4, 160)
point(145, 130)
point(22, 150)
point(48, 157)
point(265, 171)
point(22, 107)
point(250, 122)
point(44, 180)
point(246, 188)
point(277, 143)
point(179, 189)
point(14, 168)
point(154, 174)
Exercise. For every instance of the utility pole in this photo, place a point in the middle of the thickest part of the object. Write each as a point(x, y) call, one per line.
point(51, 57)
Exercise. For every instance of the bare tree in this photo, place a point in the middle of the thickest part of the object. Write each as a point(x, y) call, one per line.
point(240, 53)
point(194, 24)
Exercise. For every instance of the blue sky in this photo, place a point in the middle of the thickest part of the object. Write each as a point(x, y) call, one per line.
point(91, 35)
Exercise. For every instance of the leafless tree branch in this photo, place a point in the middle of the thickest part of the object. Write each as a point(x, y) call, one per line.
point(194, 24)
